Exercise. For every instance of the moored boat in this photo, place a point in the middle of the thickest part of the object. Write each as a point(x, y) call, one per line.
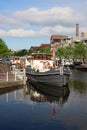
point(81, 67)
point(52, 77)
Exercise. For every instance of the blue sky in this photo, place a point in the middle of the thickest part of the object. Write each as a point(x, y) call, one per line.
point(26, 23)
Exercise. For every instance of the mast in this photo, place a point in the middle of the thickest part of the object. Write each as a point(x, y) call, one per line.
point(53, 53)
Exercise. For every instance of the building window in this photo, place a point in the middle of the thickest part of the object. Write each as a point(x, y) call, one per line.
point(56, 40)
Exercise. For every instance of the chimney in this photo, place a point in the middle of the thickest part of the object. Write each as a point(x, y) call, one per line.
point(77, 30)
point(82, 35)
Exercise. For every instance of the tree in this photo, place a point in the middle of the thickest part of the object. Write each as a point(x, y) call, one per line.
point(22, 52)
point(30, 52)
point(4, 51)
point(80, 51)
point(60, 53)
point(68, 52)
point(46, 50)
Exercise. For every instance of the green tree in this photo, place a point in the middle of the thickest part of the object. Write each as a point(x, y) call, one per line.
point(46, 50)
point(29, 52)
point(22, 52)
point(60, 53)
point(80, 51)
point(68, 51)
point(4, 51)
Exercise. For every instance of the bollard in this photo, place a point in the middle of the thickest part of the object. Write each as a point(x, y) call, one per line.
point(7, 76)
point(24, 82)
point(61, 70)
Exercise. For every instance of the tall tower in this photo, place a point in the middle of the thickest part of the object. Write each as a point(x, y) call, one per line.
point(77, 30)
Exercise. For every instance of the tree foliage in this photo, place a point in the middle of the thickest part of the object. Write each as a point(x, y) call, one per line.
point(46, 50)
point(4, 51)
point(22, 52)
point(60, 53)
point(80, 51)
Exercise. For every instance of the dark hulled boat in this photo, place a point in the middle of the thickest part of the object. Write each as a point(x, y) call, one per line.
point(81, 67)
point(52, 77)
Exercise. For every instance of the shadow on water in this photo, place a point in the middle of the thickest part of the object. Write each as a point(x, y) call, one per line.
point(10, 89)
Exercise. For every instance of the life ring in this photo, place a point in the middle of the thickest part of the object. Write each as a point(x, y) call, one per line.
point(37, 67)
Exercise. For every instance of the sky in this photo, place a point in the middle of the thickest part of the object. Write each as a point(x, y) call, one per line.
point(26, 23)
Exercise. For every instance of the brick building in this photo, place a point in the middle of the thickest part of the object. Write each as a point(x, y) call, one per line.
point(37, 48)
point(58, 41)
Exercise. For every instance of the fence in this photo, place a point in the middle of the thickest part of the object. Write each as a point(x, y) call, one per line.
point(15, 75)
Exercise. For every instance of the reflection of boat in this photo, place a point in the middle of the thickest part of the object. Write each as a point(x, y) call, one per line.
point(52, 77)
point(39, 94)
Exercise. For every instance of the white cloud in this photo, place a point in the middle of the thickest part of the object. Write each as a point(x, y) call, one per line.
point(57, 20)
point(49, 17)
point(45, 31)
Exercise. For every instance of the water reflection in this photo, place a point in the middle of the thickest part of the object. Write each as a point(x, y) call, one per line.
point(10, 89)
point(14, 93)
point(78, 86)
point(33, 107)
point(41, 93)
point(78, 81)
point(79, 75)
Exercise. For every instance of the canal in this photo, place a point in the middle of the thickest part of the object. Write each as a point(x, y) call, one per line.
point(25, 108)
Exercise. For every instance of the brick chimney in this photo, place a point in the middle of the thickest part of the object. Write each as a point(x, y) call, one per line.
point(77, 30)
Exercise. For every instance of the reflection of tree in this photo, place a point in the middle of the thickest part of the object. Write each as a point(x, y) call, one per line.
point(78, 86)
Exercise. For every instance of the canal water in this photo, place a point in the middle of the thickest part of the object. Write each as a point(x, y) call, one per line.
point(27, 108)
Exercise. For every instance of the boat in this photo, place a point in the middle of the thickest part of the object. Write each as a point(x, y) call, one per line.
point(81, 67)
point(67, 62)
point(52, 77)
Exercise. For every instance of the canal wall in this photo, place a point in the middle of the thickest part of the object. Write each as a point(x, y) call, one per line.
point(6, 84)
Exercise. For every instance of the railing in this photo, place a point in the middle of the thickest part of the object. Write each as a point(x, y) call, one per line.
point(16, 75)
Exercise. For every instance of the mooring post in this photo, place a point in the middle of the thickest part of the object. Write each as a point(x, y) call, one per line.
point(24, 82)
point(7, 76)
point(61, 70)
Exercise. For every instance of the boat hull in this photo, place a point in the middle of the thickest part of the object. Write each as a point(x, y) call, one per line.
point(52, 77)
point(82, 67)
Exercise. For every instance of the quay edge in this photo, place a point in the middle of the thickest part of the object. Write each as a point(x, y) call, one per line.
point(5, 84)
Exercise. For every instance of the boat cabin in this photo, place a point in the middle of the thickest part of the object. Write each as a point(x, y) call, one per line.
point(41, 56)
point(41, 61)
